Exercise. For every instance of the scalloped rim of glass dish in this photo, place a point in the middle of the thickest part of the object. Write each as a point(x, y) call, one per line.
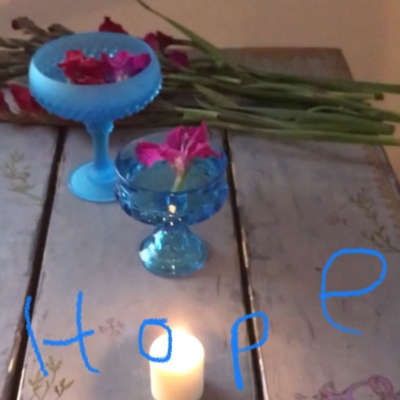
point(209, 183)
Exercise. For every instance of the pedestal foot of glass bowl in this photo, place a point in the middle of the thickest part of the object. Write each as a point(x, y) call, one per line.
point(173, 251)
point(92, 185)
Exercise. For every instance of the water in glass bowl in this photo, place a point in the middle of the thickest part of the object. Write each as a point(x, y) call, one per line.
point(145, 192)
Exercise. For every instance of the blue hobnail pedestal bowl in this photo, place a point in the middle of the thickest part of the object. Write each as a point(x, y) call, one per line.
point(144, 193)
point(96, 106)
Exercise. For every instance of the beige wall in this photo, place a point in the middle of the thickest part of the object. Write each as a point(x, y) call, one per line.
point(368, 31)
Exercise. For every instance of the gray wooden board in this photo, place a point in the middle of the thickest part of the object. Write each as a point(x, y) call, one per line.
point(299, 204)
point(26, 155)
point(94, 248)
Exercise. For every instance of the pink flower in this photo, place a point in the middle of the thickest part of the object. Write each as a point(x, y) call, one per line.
point(83, 70)
point(24, 100)
point(148, 153)
point(126, 65)
point(3, 104)
point(179, 58)
point(109, 25)
point(158, 41)
point(181, 147)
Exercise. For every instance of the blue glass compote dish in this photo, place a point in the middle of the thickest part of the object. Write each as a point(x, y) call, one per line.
point(96, 106)
point(144, 193)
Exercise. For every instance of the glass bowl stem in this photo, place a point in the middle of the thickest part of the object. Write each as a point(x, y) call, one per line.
point(104, 169)
point(95, 181)
point(173, 250)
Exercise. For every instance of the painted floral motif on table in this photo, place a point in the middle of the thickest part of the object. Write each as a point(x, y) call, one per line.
point(19, 176)
point(379, 387)
point(112, 326)
point(377, 235)
point(51, 387)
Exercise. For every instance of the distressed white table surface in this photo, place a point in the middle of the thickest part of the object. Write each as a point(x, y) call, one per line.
point(94, 248)
point(26, 156)
point(298, 205)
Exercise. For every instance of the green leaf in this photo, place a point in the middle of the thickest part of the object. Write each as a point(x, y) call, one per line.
point(206, 46)
point(57, 390)
point(62, 383)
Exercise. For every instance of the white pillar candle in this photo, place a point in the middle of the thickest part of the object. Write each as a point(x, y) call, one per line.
point(182, 376)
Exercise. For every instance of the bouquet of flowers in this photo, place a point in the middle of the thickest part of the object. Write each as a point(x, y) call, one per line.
point(201, 84)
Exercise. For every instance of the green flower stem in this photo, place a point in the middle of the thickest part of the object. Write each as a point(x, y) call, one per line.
point(345, 123)
point(198, 41)
point(180, 180)
point(13, 72)
point(334, 124)
point(300, 97)
point(233, 116)
point(339, 110)
point(290, 87)
point(303, 98)
point(310, 135)
point(369, 87)
point(254, 87)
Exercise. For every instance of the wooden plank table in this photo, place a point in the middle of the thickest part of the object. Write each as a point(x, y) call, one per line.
point(26, 157)
point(298, 205)
point(292, 207)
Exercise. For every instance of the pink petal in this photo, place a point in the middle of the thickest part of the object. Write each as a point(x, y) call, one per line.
point(109, 25)
point(179, 58)
point(3, 103)
point(175, 138)
point(199, 139)
point(152, 40)
point(169, 154)
point(138, 63)
point(199, 134)
point(164, 40)
point(175, 159)
point(203, 150)
point(126, 65)
point(148, 153)
point(120, 59)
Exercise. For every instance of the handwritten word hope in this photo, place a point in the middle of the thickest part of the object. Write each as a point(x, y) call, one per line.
point(235, 349)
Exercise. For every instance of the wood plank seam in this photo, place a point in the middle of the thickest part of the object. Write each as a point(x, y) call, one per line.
point(260, 385)
point(20, 344)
